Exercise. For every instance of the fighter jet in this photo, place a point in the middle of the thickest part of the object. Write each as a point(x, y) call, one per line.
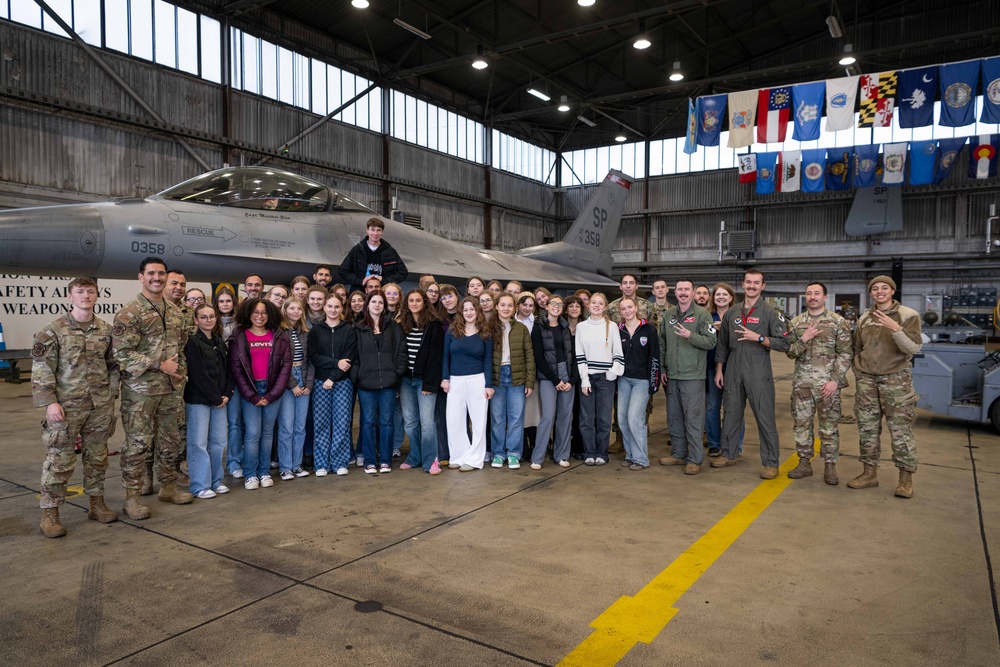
point(231, 222)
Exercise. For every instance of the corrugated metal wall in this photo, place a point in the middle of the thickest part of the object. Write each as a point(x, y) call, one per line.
point(419, 164)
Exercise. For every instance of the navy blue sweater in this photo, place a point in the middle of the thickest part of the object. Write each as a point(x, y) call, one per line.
point(468, 355)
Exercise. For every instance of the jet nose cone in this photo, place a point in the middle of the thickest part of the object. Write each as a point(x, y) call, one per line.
point(52, 240)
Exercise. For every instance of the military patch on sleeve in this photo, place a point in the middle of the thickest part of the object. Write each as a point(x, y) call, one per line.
point(780, 316)
point(119, 329)
point(38, 350)
point(711, 329)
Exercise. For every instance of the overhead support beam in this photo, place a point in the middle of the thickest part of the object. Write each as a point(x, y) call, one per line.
point(241, 6)
point(625, 125)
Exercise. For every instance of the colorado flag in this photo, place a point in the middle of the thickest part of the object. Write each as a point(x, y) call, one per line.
point(983, 156)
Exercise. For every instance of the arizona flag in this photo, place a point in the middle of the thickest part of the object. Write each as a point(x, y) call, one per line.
point(983, 156)
point(774, 107)
point(878, 99)
point(748, 168)
point(789, 170)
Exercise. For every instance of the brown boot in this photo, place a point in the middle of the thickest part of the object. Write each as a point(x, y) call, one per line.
point(721, 462)
point(866, 480)
point(830, 474)
point(170, 493)
point(803, 469)
point(134, 509)
point(671, 461)
point(50, 525)
point(692, 469)
point(769, 472)
point(904, 489)
point(99, 511)
point(147, 481)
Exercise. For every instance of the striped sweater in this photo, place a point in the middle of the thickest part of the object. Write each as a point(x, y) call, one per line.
point(598, 350)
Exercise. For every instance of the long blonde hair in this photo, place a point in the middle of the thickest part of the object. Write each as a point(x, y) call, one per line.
point(607, 320)
point(302, 323)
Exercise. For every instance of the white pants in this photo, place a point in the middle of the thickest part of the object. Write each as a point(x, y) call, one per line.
point(466, 395)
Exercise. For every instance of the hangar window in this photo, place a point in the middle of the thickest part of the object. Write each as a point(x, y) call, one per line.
point(591, 165)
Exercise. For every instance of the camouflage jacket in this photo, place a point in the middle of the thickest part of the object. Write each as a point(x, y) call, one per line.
point(659, 312)
point(73, 364)
point(144, 336)
point(825, 357)
point(878, 351)
point(644, 310)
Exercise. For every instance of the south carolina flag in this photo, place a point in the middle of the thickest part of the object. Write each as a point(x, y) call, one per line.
point(748, 168)
point(894, 163)
point(741, 109)
point(983, 156)
point(840, 97)
point(766, 179)
point(813, 169)
point(789, 170)
point(774, 107)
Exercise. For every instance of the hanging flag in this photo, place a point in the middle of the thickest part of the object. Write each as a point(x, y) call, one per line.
point(813, 169)
point(878, 99)
point(774, 106)
point(711, 111)
point(865, 162)
point(748, 168)
point(917, 89)
point(807, 105)
point(983, 156)
point(766, 165)
point(742, 106)
point(894, 163)
point(838, 168)
point(840, 97)
point(790, 163)
point(691, 137)
point(923, 155)
point(959, 85)
point(991, 91)
point(949, 150)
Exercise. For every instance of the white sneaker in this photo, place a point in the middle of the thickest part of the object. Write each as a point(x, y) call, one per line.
point(205, 494)
point(536, 466)
point(361, 462)
point(266, 481)
point(251, 484)
point(341, 471)
point(287, 475)
point(299, 472)
point(220, 489)
point(274, 465)
point(321, 472)
point(564, 464)
point(237, 474)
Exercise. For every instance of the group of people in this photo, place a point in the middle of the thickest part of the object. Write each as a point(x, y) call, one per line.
point(271, 382)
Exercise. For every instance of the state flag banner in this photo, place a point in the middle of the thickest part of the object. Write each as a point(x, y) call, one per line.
point(865, 164)
point(915, 102)
point(813, 170)
point(807, 108)
point(983, 156)
point(711, 112)
point(991, 91)
point(894, 163)
point(878, 99)
point(691, 136)
point(774, 107)
point(841, 94)
point(959, 85)
point(748, 167)
point(766, 164)
point(742, 106)
point(838, 168)
point(923, 155)
point(949, 150)
point(790, 163)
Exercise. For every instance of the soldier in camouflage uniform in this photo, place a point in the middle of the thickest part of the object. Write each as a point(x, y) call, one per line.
point(885, 340)
point(659, 302)
point(74, 376)
point(822, 349)
point(629, 287)
point(149, 339)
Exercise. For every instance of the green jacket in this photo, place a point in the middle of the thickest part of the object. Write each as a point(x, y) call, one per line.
point(522, 356)
point(686, 358)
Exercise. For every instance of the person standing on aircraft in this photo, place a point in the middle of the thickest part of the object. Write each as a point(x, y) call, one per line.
point(333, 346)
point(513, 382)
point(467, 379)
point(599, 358)
point(702, 296)
point(630, 287)
point(322, 275)
point(300, 287)
point(750, 330)
point(373, 257)
point(294, 406)
point(639, 381)
point(425, 281)
point(253, 286)
point(74, 376)
point(418, 389)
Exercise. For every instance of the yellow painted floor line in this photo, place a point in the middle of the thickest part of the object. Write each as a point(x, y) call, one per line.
point(639, 618)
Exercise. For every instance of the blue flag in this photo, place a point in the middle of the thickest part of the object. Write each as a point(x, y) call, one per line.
point(838, 168)
point(949, 150)
point(991, 91)
point(711, 111)
point(691, 136)
point(766, 163)
point(915, 98)
point(959, 86)
point(923, 158)
point(813, 170)
point(983, 156)
point(865, 162)
point(807, 110)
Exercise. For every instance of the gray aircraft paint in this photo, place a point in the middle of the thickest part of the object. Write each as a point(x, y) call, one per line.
point(875, 211)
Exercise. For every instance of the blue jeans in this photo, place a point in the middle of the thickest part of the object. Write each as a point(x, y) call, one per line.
point(258, 433)
point(292, 425)
point(234, 450)
point(418, 421)
point(507, 417)
point(332, 417)
point(206, 440)
point(713, 417)
point(633, 395)
point(377, 406)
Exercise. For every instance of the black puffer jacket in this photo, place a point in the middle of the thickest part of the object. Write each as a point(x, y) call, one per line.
point(542, 340)
point(381, 360)
point(328, 345)
point(209, 379)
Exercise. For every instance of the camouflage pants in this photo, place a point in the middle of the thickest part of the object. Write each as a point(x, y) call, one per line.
point(59, 439)
point(891, 396)
point(152, 424)
point(807, 403)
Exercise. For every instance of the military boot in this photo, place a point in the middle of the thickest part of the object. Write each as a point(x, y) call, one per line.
point(866, 480)
point(134, 509)
point(99, 511)
point(904, 489)
point(170, 493)
point(50, 525)
point(147, 480)
point(830, 474)
point(803, 469)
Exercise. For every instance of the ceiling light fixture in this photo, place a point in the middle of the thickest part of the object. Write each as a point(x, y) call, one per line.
point(676, 74)
point(833, 25)
point(848, 58)
point(480, 62)
point(539, 94)
point(585, 3)
point(360, 4)
point(563, 104)
point(620, 137)
point(414, 29)
point(642, 40)
point(586, 121)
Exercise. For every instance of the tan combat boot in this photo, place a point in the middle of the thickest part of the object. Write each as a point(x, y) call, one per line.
point(692, 469)
point(50, 525)
point(803, 469)
point(147, 480)
point(866, 480)
point(904, 489)
point(769, 472)
point(99, 511)
point(170, 493)
point(721, 462)
point(671, 461)
point(134, 509)
point(830, 474)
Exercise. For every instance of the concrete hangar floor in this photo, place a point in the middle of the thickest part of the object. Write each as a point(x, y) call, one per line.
point(590, 566)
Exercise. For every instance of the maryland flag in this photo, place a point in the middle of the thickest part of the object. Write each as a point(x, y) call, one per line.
point(878, 99)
